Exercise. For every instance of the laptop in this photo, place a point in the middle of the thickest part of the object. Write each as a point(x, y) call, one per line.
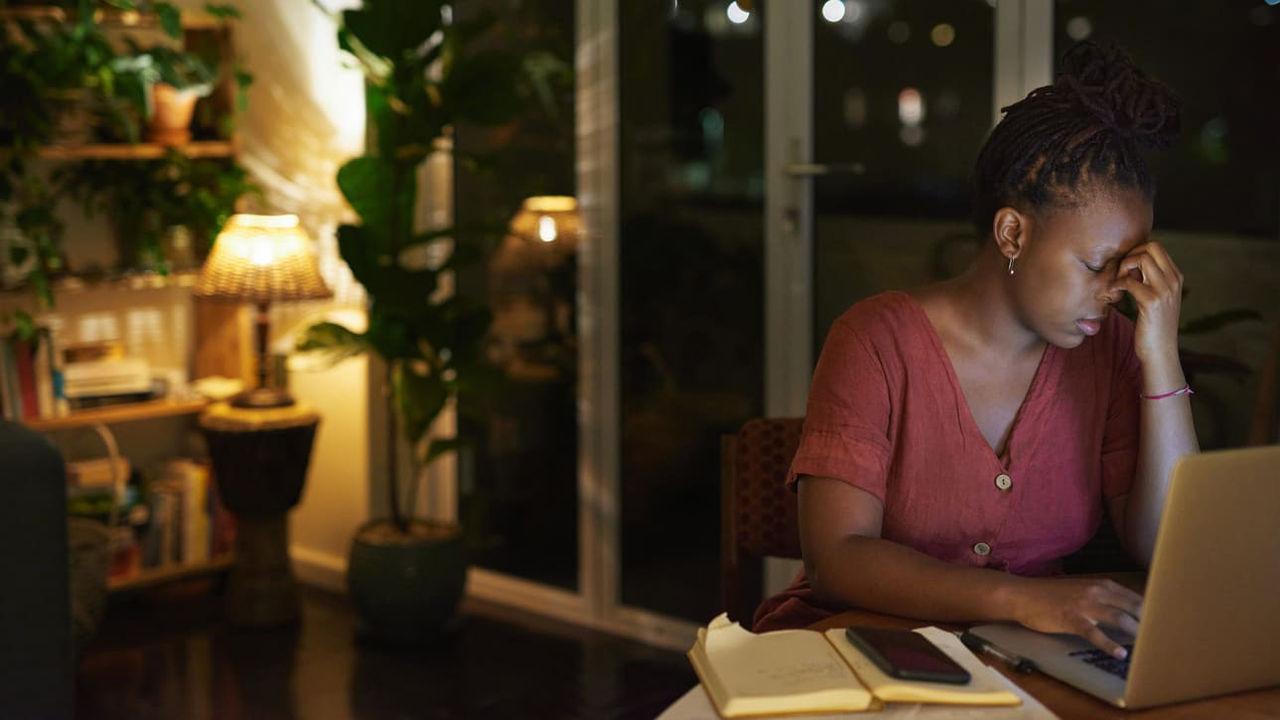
point(1211, 614)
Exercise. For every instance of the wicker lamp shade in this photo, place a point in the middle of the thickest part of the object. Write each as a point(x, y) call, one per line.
point(261, 259)
point(548, 219)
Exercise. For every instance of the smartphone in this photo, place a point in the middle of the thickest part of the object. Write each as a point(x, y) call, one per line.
point(906, 654)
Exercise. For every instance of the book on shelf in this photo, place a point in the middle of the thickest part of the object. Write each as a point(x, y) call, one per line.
point(107, 377)
point(24, 355)
point(808, 671)
point(31, 377)
point(9, 392)
point(183, 530)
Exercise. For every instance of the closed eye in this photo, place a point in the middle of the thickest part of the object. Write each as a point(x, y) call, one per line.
point(1095, 270)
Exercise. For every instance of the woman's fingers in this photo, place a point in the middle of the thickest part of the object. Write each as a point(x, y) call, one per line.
point(1080, 606)
point(1113, 606)
point(1163, 260)
point(1150, 264)
point(1100, 640)
point(1141, 292)
point(1119, 620)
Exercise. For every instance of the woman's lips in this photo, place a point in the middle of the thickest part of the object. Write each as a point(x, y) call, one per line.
point(1089, 326)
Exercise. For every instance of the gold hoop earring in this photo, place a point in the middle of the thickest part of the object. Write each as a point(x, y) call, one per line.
point(1011, 265)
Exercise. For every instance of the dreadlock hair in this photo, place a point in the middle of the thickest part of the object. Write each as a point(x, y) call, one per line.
point(1086, 130)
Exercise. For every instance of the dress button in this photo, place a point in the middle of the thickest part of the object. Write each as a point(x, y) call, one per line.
point(982, 548)
point(1004, 482)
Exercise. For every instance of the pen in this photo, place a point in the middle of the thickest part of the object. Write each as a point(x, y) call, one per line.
point(977, 644)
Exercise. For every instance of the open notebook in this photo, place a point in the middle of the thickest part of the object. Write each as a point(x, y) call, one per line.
point(806, 671)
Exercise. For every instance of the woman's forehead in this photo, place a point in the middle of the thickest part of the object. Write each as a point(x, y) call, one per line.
point(1103, 221)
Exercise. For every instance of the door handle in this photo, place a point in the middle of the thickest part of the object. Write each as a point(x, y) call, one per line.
point(810, 169)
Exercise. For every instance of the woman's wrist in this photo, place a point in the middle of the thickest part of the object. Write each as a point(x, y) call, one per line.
point(1162, 374)
point(1007, 598)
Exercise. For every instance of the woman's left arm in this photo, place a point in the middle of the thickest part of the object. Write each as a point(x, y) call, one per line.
point(1166, 431)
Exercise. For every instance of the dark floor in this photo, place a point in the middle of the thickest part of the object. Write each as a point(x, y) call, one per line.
point(171, 655)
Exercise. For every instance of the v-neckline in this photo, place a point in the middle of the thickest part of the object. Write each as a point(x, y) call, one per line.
point(1001, 456)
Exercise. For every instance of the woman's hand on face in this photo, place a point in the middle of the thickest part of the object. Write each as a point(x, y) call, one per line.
point(1154, 281)
point(1079, 605)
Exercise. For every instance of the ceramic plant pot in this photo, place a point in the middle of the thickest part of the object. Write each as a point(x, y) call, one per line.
point(406, 586)
point(172, 110)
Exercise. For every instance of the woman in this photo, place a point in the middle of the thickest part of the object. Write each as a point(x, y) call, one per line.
point(980, 424)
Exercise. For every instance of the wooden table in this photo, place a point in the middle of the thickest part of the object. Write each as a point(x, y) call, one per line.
point(1069, 704)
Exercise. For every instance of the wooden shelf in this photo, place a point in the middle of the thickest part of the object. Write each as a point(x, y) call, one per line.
point(150, 577)
point(111, 18)
point(119, 413)
point(141, 151)
point(133, 282)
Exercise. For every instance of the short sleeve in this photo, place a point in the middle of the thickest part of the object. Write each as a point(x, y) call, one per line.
point(1120, 435)
point(846, 424)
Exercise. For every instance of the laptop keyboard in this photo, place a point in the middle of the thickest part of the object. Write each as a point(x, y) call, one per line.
point(1103, 661)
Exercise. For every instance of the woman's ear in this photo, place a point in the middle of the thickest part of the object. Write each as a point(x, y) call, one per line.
point(1009, 227)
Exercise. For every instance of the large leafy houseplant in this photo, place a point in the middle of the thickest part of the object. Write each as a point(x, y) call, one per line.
point(425, 72)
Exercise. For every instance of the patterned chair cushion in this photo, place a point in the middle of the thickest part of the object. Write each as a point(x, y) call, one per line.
point(764, 510)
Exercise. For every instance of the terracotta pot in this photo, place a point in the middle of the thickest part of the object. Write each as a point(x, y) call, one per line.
point(172, 110)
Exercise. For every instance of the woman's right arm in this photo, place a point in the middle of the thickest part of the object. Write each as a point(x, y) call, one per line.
point(848, 563)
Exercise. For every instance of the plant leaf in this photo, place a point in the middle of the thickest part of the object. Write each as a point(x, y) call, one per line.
point(225, 12)
point(389, 28)
point(358, 251)
point(439, 446)
point(382, 195)
point(332, 341)
point(170, 19)
point(418, 398)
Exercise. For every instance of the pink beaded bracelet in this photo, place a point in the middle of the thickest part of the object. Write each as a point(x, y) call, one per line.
point(1184, 390)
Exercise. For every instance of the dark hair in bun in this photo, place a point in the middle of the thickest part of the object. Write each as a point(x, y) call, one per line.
point(1090, 126)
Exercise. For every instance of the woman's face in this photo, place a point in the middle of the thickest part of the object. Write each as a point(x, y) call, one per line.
point(1064, 274)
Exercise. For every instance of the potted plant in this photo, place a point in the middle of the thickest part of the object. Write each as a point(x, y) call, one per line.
point(144, 200)
point(59, 80)
point(165, 81)
point(424, 72)
point(70, 65)
point(55, 79)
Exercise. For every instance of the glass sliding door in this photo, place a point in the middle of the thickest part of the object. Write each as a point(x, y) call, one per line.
point(691, 141)
point(746, 170)
point(902, 99)
point(518, 481)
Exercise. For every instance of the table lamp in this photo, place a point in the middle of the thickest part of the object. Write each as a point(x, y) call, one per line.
point(549, 220)
point(261, 259)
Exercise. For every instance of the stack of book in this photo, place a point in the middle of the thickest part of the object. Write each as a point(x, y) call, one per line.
point(173, 518)
point(97, 374)
point(188, 523)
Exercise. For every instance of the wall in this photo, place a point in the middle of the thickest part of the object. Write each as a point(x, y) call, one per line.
point(335, 500)
point(305, 117)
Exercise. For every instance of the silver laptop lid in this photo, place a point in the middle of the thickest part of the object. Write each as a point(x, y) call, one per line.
point(1211, 620)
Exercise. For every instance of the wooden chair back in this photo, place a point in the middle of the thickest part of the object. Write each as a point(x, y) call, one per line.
point(757, 512)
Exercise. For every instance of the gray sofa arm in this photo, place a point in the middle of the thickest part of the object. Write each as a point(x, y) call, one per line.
point(36, 666)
